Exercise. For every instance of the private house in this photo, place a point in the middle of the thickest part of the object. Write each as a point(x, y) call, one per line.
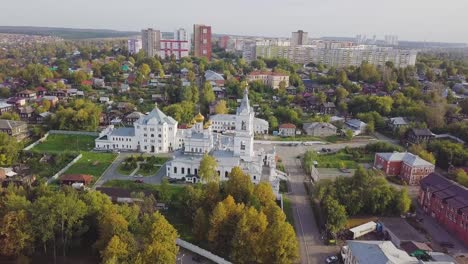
point(397, 122)
point(61, 94)
point(16, 101)
point(40, 118)
point(5, 107)
point(41, 91)
point(52, 99)
point(328, 108)
point(216, 78)
point(69, 179)
point(124, 88)
point(287, 130)
point(98, 83)
point(26, 113)
point(291, 90)
point(447, 203)
point(409, 167)
point(104, 100)
point(17, 129)
point(319, 129)
point(27, 94)
point(419, 135)
point(357, 126)
point(132, 118)
point(220, 92)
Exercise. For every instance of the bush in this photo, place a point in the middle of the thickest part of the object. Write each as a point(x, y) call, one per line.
point(382, 147)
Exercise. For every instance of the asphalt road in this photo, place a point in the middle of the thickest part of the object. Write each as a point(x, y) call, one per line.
point(312, 248)
point(111, 173)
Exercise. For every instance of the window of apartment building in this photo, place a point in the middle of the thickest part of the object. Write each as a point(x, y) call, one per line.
point(188, 171)
point(175, 169)
point(151, 129)
point(182, 170)
point(159, 135)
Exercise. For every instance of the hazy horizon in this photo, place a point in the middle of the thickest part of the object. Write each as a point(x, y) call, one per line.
point(415, 20)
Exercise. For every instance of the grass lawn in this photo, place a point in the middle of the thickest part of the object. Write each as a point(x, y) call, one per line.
point(288, 210)
point(131, 185)
point(335, 160)
point(60, 143)
point(151, 172)
point(122, 170)
point(92, 163)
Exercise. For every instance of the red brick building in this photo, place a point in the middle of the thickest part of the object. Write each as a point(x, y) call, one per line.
point(447, 203)
point(409, 167)
point(202, 41)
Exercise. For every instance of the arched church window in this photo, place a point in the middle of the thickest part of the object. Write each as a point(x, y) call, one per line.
point(244, 125)
point(242, 145)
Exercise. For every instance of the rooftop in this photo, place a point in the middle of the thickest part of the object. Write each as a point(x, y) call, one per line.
point(123, 132)
point(405, 157)
point(8, 124)
point(287, 125)
point(372, 252)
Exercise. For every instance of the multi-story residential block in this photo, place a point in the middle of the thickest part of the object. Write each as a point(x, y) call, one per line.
point(202, 41)
point(151, 42)
point(134, 46)
point(299, 38)
point(332, 55)
point(175, 44)
point(271, 79)
point(223, 42)
point(447, 203)
point(409, 167)
point(391, 40)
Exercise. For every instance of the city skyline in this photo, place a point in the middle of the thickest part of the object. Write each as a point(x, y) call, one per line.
point(415, 21)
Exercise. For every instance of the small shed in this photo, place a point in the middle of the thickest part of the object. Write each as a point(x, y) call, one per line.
point(70, 179)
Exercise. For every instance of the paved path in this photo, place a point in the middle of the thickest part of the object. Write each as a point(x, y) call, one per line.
point(312, 248)
point(111, 173)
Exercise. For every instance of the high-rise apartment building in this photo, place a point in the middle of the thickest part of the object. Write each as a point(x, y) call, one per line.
point(175, 44)
point(299, 38)
point(391, 40)
point(134, 46)
point(202, 41)
point(151, 41)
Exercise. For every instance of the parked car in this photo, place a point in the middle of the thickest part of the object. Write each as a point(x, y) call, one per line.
point(331, 260)
point(447, 244)
point(345, 170)
point(139, 181)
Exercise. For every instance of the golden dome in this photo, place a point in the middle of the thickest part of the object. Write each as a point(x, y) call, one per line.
point(199, 118)
point(193, 122)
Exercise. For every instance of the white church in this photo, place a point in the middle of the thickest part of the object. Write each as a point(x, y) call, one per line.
point(159, 133)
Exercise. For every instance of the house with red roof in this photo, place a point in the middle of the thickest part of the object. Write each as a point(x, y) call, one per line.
point(69, 179)
point(409, 167)
point(287, 130)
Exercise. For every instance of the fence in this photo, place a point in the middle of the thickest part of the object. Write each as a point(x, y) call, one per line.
point(200, 251)
point(64, 169)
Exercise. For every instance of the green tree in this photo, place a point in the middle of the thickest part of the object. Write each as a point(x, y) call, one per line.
point(461, 177)
point(10, 116)
point(195, 94)
point(248, 237)
point(422, 153)
point(9, 150)
point(145, 70)
point(349, 134)
point(403, 201)
point(160, 244)
point(208, 94)
point(164, 192)
point(239, 186)
point(16, 233)
point(200, 225)
point(283, 246)
point(335, 214)
point(115, 251)
point(207, 170)
point(221, 107)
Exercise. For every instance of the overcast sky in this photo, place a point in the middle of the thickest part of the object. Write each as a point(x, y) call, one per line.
point(430, 20)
